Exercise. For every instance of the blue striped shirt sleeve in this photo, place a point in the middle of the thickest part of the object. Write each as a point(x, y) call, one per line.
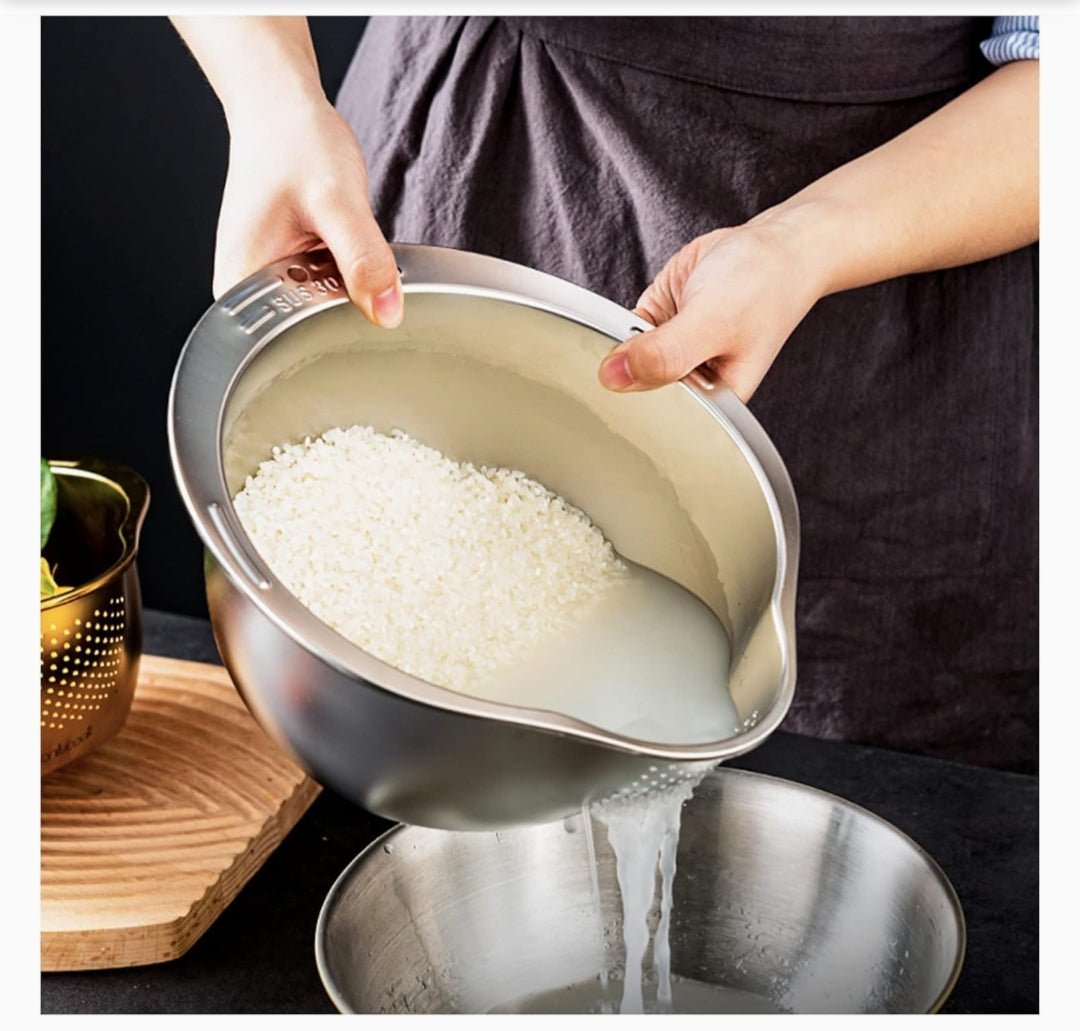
point(1012, 38)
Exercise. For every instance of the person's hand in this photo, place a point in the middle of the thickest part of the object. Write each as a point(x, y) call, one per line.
point(960, 186)
point(297, 180)
point(727, 301)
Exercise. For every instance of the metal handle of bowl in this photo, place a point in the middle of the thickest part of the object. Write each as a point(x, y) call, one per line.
point(701, 378)
point(249, 565)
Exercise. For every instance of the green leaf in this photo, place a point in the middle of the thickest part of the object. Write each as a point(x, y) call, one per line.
point(48, 501)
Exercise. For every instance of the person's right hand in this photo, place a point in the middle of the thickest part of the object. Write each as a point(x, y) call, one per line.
point(297, 180)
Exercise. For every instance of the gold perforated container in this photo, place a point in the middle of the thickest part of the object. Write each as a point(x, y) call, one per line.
point(91, 636)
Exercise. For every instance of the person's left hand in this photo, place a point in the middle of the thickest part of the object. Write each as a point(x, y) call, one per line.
point(728, 300)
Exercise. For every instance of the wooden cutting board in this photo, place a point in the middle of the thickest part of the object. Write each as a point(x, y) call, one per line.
point(146, 840)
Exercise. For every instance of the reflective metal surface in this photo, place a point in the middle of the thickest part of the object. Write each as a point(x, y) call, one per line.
point(494, 364)
point(91, 636)
point(780, 891)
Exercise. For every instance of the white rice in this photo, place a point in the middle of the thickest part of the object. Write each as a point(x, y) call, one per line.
point(440, 568)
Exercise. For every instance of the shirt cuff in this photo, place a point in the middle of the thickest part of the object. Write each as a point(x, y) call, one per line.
point(1013, 38)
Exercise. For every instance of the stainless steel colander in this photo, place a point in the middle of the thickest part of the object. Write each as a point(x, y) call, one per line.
point(494, 364)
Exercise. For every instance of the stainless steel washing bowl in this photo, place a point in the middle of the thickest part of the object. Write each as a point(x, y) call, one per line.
point(494, 364)
point(801, 900)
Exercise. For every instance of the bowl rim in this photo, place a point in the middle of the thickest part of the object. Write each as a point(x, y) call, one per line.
point(136, 493)
point(377, 846)
point(250, 316)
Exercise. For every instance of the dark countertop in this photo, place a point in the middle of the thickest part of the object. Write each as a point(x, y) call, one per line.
point(980, 825)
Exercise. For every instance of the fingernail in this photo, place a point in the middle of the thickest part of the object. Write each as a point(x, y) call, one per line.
point(389, 307)
point(615, 372)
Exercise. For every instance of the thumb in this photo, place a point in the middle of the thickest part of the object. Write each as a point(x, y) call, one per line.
point(660, 356)
point(364, 259)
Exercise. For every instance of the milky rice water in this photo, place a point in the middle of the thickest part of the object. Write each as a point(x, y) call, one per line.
point(483, 581)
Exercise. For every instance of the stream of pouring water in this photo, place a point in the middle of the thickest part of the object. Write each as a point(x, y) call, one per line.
point(586, 820)
point(662, 941)
point(643, 829)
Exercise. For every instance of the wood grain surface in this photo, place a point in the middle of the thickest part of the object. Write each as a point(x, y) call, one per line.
point(145, 841)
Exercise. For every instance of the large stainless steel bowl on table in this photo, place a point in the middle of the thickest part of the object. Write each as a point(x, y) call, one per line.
point(785, 899)
point(494, 364)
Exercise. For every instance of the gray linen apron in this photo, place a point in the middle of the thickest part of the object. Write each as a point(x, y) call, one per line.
point(906, 412)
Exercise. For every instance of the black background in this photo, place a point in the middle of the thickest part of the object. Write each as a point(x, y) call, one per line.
point(134, 153)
